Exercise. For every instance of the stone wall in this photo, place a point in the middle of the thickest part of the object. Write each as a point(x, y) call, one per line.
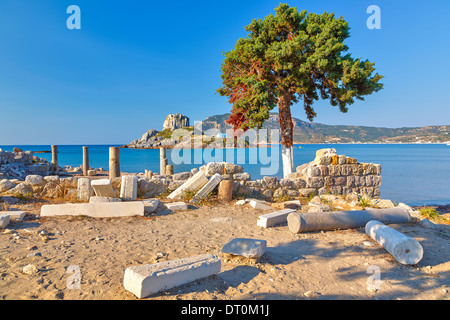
point(329, 173)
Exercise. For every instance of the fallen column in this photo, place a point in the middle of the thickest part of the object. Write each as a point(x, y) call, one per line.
point(273, 218)
point(148, 279)
point(96, 210)
point(192, 184)
point(404, 249)
point(128, 188)
point(207, 188)
point(306, 221)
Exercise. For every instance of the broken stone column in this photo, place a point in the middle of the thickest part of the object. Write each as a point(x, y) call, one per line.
point(310, 221)
point(55, 157)
point(225, 192)
point(274, 218)
point(144, 280)
point(404, 249)
point(114, 162)
point(162, 161)
point(128, 188)
point(84, 189)
point(148, 174)
point(169, 169)
point(194, 183)
point(85, 161)
point(207, 188)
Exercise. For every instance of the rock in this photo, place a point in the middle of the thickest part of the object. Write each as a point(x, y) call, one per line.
point(30, 269)
point(240, 203)
point(428, 224)
point(150, 205)
point(270, 182)
point(250, 248)
point(6, 185)
point(260, 205)
point(35, 180)
point(181, 176)
point(22, 189)
point(17, 150)
point(211, 168)
point(319, 208)
point(52, 190)
point(175, 121)
point(382, 203)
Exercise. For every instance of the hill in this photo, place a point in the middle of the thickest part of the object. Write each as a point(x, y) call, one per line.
point(310, 132)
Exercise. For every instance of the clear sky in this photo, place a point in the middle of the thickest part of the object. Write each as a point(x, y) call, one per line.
point(133, 62)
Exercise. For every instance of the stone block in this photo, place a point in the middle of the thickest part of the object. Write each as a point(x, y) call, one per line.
point(174, 206)
point(144, 280)
point(4, 220)
point(96, 210)
point(270, 182)
point(103, 188)
point(128, 188)
point(260, 205)
point(250, 248)
point(14, 215)
point(273, 218)
point(316, 182)
point(334, 170)
point(96, 199)
point(35, 180)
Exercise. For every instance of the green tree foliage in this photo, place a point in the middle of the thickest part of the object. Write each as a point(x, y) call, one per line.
point(291, 57)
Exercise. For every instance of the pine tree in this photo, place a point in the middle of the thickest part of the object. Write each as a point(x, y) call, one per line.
point(291, 57)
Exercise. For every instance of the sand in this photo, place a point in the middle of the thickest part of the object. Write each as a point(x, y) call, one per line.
point(320, 265)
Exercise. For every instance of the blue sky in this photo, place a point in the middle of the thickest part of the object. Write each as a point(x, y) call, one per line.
point(134, 62)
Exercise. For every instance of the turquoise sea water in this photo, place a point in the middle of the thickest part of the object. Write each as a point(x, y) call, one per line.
point(416, 174)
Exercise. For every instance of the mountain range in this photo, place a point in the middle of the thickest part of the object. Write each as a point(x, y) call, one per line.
point(310, 132)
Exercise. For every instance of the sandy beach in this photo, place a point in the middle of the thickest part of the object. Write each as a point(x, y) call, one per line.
point(319, 265)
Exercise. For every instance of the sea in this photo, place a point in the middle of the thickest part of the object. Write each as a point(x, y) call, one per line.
point(415, 174)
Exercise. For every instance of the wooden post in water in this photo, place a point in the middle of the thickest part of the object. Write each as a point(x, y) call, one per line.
point(85, 161)
point(114, 162)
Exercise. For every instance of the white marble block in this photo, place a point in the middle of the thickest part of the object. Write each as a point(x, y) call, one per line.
point(128, 188)
point(103, 188)
point(144, 280)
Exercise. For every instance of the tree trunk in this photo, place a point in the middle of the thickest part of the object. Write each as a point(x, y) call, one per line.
point(286, 127)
